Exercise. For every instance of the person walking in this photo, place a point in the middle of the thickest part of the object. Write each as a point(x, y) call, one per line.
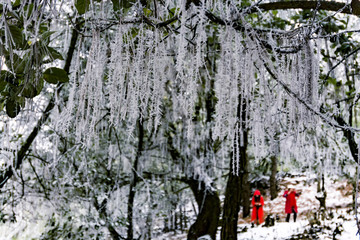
point(290, 204)
point(257, 202)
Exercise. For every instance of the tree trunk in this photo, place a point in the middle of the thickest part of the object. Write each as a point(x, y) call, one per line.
point(133, 181)
point(246, 191)
point(231, 207)
point(237, 188)
point(321, 197)
point(101, 208)
point(235, 194)
point(273, 183)
point(209, 210)
point(244, 162)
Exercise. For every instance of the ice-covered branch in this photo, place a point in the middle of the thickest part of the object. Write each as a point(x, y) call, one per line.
point(339, 62)
point(305, 103)
point(320, 5)
point(21, 154)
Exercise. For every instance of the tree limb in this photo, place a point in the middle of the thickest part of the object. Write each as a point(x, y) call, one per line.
point(320, 5)
point(338, 63)
point(9, 172)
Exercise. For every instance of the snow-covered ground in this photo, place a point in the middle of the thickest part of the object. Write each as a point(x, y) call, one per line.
point(339, 214)
point(338, 202)
point(284, 230)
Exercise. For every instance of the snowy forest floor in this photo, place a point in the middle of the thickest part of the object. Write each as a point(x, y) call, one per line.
point(339, 222)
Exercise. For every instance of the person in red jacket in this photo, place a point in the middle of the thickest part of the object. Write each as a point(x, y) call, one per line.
point(290, 204)
point(257, 211)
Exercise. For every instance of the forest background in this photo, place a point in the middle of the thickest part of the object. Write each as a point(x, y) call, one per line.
point(118, 115)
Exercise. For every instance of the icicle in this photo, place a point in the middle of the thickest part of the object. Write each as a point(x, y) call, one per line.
point(91, 97)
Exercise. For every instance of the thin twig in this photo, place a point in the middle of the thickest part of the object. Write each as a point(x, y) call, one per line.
point(338, 63)
point(39, 180)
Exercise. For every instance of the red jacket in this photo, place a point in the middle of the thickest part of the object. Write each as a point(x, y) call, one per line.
point(257, 212)
point(290, 203)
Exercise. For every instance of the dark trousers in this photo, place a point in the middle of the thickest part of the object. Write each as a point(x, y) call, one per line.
point(288, 216)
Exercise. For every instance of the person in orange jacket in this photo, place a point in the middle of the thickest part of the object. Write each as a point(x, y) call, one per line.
point(290, 204)
point(257, 211)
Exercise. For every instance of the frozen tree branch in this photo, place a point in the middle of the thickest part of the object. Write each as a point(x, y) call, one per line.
point(320, 5)
point(39, 180)
point(341, 125)
point(336, 34)
point(338, 63)
point(21, 154)
point(235, 24)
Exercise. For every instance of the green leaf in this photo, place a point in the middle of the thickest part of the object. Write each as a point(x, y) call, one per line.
point(53, 54)
point(21, 101)
point(7, 77)
point(55, 75)
point(122, 4)
point(12, 108)
point(17, 36)
point(3, 75)
point(29, 91)
point(350, 92)
point(82, 6)
point(28, 9)
point(2, 85)
point(332, 81)
point(147, 12)
point(45, 37)
point(16, 63)
point(47, 34)
point(39, 86)
point(17, 3)
point(116, 5)
point(2, 104)
point(32, 89)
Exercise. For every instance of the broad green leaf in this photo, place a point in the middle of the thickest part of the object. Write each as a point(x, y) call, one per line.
point(55, 75)
point(12, 108)
point(2, 85)
point(29, 91)
point(21, 101)
point(45, 37)
point(116, 5)
point(3, 77)
point(53, 54)
point(122, 4)
point(2, 104)
point(147, 12)
point(126, 3)
point(17, 36)
point(44, 27)
point(16, 3)
point(332, 80)
point(7, 77)
point(82, 6)
point(32, 89)
point(16, 63)
point(28, 10)
point(39, 86)
point(47, 34)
